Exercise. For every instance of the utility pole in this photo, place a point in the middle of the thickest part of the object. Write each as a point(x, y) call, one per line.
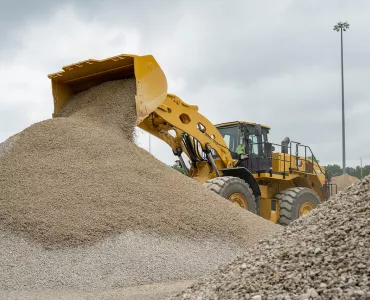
point(342, 27)
point(361, 166)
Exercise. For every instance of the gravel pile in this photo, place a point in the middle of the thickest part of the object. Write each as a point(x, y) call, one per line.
point(324, 255)
point(82, 206)
point(343, 181)
point(7, 145)
point(67, 183)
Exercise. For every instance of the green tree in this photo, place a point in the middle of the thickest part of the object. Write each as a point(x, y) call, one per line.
point(356, 172)
point(336, 170)
point(365, 171)
point(333, 170)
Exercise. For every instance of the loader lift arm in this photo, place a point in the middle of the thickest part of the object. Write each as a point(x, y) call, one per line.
point(189, 129)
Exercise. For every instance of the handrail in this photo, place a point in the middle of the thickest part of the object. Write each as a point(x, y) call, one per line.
point(312, 156)
point(290, 146)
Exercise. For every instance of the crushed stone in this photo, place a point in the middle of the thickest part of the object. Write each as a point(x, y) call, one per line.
point(6, 146)
point(110, 106)
point(82, 206)
point(343, 181)
point(324, 255)
point(155, 291)
point(66, 183)
point(127, 259)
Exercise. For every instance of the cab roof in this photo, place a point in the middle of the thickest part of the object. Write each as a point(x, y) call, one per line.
point(239, 122)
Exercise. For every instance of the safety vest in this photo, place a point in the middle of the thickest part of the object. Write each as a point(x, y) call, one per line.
point(240, 149)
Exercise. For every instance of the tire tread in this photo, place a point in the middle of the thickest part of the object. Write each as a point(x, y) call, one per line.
point(287, 198)
point(219, 183)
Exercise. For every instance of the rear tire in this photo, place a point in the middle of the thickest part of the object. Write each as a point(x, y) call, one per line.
point(235, 190)
point(295, 202)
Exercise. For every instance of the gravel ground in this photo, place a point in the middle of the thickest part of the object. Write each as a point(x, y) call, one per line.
point(143, 292)
point(125, 260)
point(324, 255)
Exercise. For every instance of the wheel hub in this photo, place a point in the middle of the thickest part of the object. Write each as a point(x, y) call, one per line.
point(239, 200)
point(306, 208)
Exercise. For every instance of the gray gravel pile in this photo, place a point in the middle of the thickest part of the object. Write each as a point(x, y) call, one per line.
point(325, 255)
point(82, 206)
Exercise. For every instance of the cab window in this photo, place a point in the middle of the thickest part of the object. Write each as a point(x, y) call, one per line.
point(231, 136)
point(253, 145)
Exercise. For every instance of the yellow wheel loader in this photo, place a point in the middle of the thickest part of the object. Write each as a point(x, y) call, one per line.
point(235, 160)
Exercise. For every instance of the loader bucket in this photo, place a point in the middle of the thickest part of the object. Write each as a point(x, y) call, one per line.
point(151, 83)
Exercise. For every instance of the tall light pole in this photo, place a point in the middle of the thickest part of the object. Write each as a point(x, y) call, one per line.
point(342, 27)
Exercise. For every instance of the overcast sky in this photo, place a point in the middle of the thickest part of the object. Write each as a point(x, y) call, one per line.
point(270, 62)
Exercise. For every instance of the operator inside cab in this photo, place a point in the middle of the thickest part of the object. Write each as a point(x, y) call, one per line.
point(240, 149)
point(247, 143)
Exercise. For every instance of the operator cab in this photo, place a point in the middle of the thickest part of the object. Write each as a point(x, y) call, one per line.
point(248, 142)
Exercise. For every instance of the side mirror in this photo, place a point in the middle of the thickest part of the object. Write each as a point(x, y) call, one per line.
point(273, 148)
point(257, 130)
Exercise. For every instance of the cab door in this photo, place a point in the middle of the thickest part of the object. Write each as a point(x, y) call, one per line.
point(258, 161)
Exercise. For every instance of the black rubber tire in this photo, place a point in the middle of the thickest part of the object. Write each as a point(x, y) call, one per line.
point(290, 201)
point(228, 185)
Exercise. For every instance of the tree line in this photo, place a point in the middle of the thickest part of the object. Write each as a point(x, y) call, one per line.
point(336, 170)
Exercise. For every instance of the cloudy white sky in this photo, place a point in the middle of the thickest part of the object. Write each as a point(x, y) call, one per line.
point(271, 62)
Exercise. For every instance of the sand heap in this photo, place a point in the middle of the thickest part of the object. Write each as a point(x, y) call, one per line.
point(81, 205)
point(343, 181)
point(324, 255)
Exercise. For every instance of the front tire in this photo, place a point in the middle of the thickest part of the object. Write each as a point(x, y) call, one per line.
point(235, 190)
point(296, 202)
